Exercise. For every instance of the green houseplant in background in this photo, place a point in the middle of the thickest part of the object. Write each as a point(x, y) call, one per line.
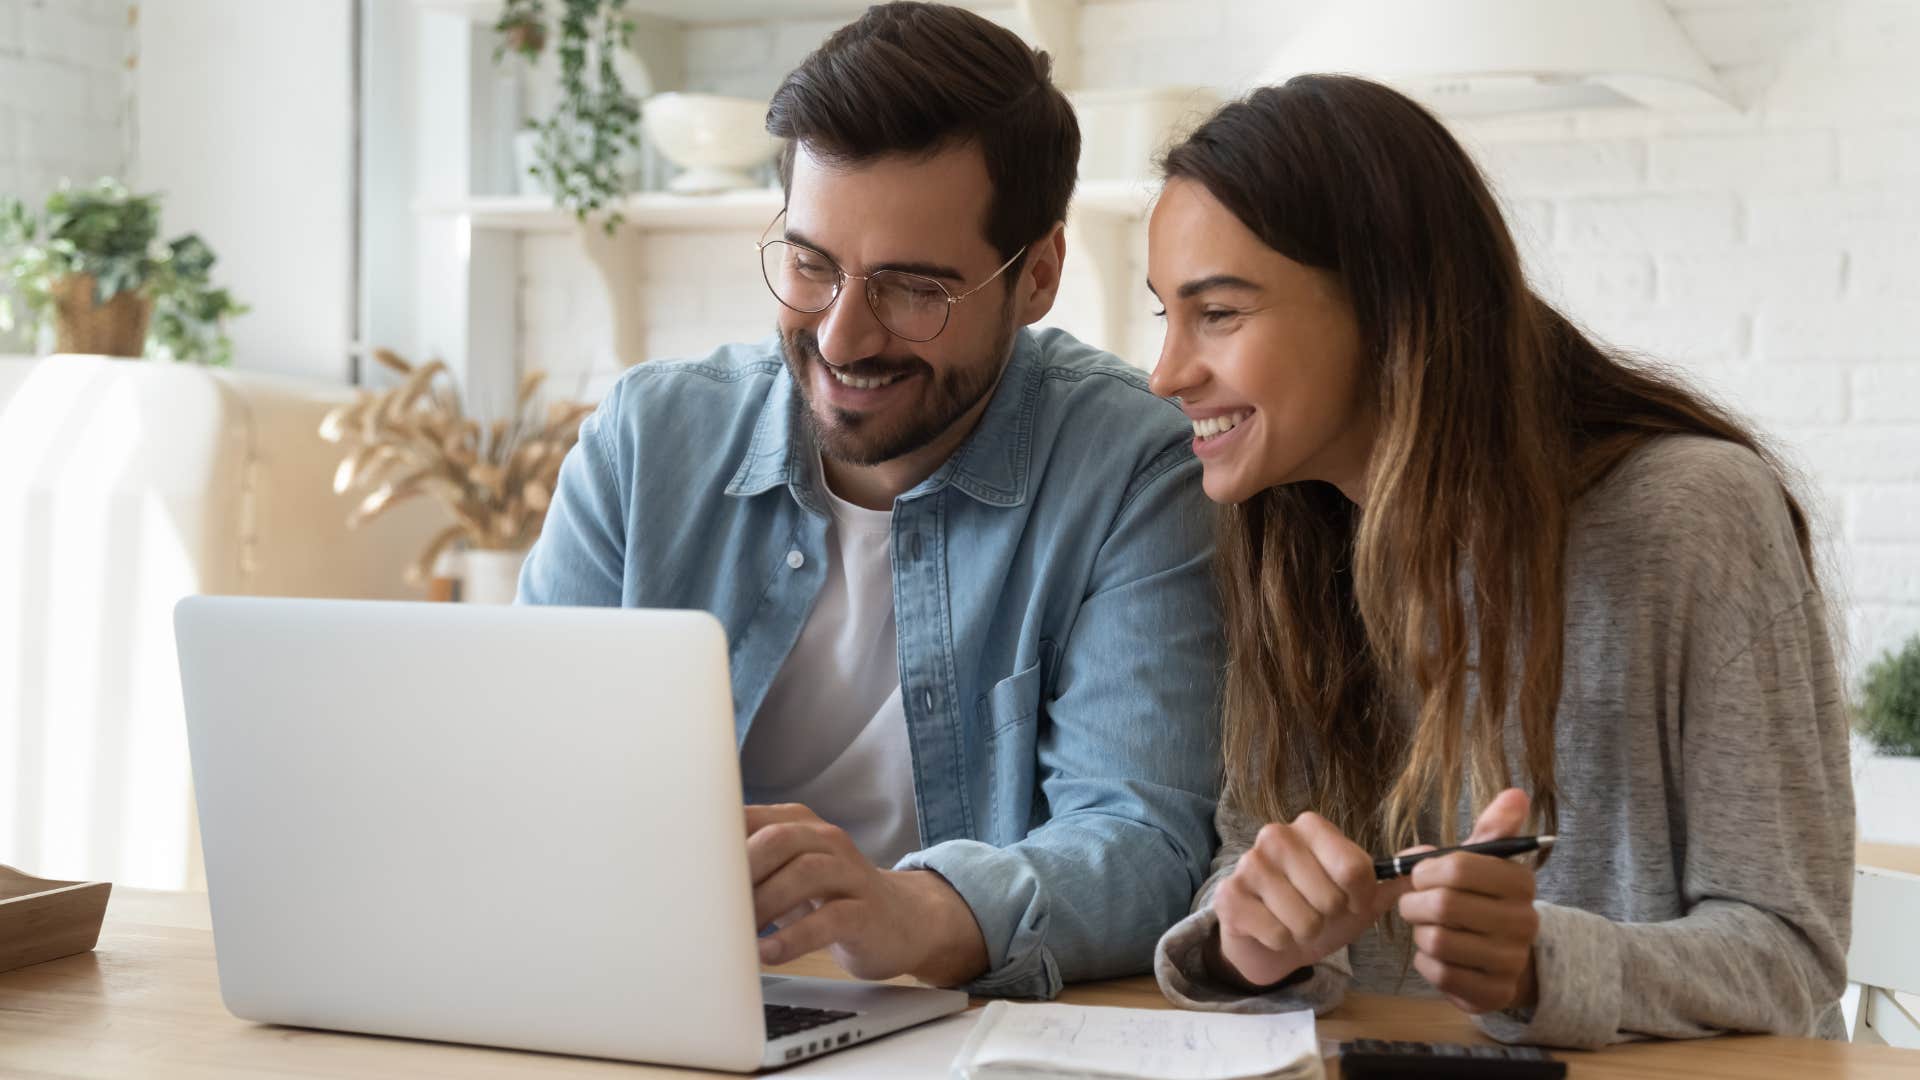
point(92, 263)
point(584, 147)
point(1888, 715)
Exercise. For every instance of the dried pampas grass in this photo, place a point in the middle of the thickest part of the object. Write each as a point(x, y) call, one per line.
point(495, 478)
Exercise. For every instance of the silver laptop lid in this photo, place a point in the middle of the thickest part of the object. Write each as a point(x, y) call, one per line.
point(511, 826)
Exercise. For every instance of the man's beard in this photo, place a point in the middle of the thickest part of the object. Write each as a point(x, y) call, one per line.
point(871, 438)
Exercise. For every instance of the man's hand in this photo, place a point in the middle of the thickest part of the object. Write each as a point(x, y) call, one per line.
point(809, 877)
point(1473, 920)
point(1300, 892)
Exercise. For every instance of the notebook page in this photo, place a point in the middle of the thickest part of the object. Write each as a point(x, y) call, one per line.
point(1163, 1043)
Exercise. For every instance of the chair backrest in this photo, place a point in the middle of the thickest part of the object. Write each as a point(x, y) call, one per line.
point(1884, 959)
point(124, 486)
point(13, 371)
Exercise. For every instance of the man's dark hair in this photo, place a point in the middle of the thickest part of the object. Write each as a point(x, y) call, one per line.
point(917, 79)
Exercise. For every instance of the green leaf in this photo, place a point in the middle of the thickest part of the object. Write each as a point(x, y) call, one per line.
point(578, 155)
point(111, 233)
point(1888, 712)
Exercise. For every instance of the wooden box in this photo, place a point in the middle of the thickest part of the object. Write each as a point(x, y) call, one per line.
point(43, 920)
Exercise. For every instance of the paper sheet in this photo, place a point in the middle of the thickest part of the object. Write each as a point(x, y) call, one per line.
point(1163, 1043)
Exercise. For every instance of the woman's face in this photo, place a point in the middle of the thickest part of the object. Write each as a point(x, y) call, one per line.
point(1263, 352)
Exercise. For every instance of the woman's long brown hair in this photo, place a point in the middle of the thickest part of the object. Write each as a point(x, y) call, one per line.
point(1444, 598)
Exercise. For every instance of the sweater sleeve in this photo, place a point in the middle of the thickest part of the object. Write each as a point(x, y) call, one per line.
point(1766, 874)
point(1179, 960)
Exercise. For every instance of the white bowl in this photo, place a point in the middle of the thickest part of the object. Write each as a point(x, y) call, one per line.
point(714, 139)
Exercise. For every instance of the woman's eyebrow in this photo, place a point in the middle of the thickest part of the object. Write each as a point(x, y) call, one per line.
point(1214, 281)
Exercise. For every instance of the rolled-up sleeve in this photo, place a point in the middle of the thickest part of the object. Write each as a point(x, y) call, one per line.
point(1179, 960)
point(1128, 762)
point(1767, 878)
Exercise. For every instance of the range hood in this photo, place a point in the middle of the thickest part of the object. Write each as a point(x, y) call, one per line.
point(1483, 57)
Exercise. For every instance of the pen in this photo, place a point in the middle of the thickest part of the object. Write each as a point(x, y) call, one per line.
point(1397, 865)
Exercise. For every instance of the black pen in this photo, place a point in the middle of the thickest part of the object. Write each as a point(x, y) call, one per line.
point(1385, 869)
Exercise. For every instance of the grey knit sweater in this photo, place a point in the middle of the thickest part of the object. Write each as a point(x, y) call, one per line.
point(1703, 874)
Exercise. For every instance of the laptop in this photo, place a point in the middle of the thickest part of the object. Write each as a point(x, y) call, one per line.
point(516, 827)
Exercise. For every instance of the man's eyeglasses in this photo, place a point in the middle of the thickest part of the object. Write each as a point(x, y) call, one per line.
point(912, 307)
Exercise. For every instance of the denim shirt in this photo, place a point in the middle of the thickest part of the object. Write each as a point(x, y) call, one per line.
point(1057, 622)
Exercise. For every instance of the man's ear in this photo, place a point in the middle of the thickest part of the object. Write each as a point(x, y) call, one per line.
point(1039, 281)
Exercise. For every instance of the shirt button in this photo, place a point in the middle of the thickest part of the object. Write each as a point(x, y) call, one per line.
point(795, 560)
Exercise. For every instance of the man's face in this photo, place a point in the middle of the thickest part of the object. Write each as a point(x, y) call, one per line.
point(871, 395)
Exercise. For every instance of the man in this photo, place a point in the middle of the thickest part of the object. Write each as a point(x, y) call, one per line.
point(963, 566)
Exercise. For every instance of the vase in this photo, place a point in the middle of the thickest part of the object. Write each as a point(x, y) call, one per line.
point(81, 326)
point(491, 577)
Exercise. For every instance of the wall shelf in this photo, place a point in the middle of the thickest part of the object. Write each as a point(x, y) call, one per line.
point(1053, 25)
point(750, 208)
point(647, 212)
point(467, 275)
point(1101, 222)
point(704, 11)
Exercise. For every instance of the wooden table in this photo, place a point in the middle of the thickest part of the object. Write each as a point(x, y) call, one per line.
point(1902, 857)
point(146, 1004)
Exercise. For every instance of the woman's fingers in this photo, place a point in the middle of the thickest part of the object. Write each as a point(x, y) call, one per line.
point(1462, 948)
point(1303, 890)
point(1288, 849)
point(1470, 990)
point(1243, 914)
point(1303, 921)
point(1387, 894)
point(1473, 925)
point(1470, 911)
point(1344, 864)
point(1505, 815)
point(1481, 874)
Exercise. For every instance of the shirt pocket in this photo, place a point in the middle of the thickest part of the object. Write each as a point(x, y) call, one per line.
point(1010, 713)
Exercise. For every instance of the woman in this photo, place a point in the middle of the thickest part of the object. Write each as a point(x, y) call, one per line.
point(1464, 548)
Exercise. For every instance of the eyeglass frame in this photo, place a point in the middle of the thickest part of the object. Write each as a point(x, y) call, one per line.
point(842, 277)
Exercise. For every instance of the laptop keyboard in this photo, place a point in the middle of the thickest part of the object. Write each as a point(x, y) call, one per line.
point(784, 1020)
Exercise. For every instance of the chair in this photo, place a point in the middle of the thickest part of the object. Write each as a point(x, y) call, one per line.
point(124, 486)
point(1883, 964)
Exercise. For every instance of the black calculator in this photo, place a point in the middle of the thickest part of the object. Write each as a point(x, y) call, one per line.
point(1379, 1059)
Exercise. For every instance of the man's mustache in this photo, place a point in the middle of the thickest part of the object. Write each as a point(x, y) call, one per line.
point(803, 345)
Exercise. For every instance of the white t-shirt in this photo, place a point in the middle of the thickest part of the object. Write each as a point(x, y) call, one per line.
point(832, 733)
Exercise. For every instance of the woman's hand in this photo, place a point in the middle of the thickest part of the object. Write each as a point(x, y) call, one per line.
point(1300, 892)
point(1473, 920)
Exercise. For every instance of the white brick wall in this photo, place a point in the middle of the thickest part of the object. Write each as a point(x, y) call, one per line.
point(63, 92)
point(698, 290)
point(64, 105)
point(1781, 240)
point(1772, 253)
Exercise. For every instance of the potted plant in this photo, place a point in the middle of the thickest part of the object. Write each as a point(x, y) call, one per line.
point(1887, 718)
point(584, 151)
point(92, 264)
point(495, 478)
